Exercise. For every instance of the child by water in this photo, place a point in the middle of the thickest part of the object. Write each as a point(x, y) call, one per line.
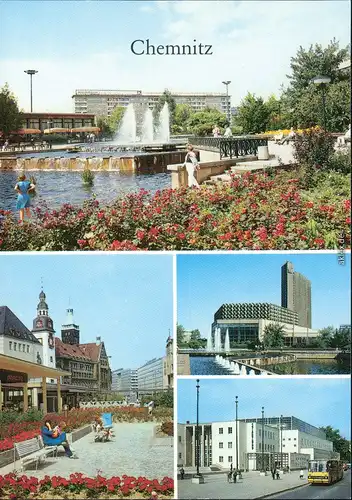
point(23, 187)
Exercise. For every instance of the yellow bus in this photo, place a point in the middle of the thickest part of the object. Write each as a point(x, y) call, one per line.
point(325, 471)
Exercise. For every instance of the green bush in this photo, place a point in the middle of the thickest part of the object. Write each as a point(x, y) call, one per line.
point(12, 416)
point(341, 162)
point(88, 177)
point(314, 148)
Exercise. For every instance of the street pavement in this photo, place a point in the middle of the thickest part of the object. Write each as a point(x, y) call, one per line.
point(340, 490)
point(252, 486)
point(133, 451)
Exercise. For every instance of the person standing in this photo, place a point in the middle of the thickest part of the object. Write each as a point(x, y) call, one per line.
point(301, 474)
point(216, 131)
point(22, 188)
point(228, 132)
point(235, 476)
point(182, 473)
point(273, 473)
point(192, 165)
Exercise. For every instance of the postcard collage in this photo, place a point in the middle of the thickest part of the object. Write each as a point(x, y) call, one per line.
point(175, 234)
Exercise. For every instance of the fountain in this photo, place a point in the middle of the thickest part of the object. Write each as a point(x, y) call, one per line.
point(227, 341)
point(147, 127)
point(217, 340)
point(243, 370)
point(210, 347)
point(251, 372)
point(128, 129)
point(127, 133)
point(163, 130)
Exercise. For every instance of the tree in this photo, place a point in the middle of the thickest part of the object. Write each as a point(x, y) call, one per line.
point(340, 444)
point(303, 100)
point(341, 339)
point(180, 336)
point(183, 113)
point(324, 337)
point(316, 61)
point(253, 114)
point(275, 118)
point(115, 118)
point(103, 124)
point(202, 122)
point(165, 97)
point(274, 335)
point(10, 116)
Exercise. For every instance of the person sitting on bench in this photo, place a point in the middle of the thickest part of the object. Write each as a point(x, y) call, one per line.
point(54, 436)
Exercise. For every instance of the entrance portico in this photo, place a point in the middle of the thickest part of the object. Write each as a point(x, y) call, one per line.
point(15, 373)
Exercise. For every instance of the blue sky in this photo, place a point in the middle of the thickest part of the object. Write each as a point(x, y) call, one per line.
point(86, 44)
point(125, 299)
point(205, 282)
point(313, 400)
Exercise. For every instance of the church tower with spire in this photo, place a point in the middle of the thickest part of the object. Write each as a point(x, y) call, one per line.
point(43, 330)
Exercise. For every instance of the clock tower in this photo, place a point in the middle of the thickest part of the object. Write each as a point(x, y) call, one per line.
point(70, 331)
point(43, 330)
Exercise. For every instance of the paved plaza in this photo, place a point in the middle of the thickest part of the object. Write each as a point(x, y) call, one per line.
point(252, 486)
point(133, 451)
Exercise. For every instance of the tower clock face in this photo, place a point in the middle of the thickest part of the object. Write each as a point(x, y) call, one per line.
point(39, 323)
point(51, 342)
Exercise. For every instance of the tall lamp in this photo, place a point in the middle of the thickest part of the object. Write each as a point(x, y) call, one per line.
point(198, 477)
point(31, 72)
point(227, 83)
point(322, 82)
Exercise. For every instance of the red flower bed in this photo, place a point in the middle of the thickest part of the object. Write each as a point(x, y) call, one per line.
point(254, 211)
point(14, 487)
point(75, 418)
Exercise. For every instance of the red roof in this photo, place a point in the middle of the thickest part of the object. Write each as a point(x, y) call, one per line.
point(86, 352)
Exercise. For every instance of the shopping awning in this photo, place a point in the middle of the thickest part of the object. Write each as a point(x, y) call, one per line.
point(86, 129)
point(56, 130)
point(33, 370)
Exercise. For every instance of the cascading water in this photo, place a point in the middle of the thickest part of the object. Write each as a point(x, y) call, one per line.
point(128, 128)
point(147, 127)
point(163, 130)
point(227, 341)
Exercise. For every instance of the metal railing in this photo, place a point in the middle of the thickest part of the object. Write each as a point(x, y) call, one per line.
point(232, 147)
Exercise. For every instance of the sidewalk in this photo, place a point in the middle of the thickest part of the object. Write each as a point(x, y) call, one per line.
point(252, 486)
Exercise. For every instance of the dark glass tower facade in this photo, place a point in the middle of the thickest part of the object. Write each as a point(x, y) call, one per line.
point(296, 294)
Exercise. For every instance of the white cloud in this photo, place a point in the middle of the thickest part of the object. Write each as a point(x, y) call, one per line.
point(252, 44)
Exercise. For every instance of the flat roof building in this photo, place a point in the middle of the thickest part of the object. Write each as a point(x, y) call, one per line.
point(296, 294)
point(261, 443)
point(103, 102)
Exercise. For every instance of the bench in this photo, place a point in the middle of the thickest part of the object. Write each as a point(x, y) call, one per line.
point(48, 448)
point(28, 452)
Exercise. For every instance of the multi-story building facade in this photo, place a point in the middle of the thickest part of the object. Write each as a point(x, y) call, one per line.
point(103, 102)
point(88, 363)
point(16, 340)
point(125, 381)
point(259, 444)
point(246, 322)
point(296, 294)
point(151, 376)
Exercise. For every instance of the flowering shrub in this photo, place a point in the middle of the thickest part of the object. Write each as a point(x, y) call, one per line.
point(76, 418)
point(15, 487)
point(286, 131)
point(314, 148)
point(254, 211)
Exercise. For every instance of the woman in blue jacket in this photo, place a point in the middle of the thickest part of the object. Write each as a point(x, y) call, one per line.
point(51, 437)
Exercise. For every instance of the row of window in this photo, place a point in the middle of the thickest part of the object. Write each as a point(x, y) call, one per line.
point(268, 434)
point(221, 430)
point(229, 459)
point(229, 444)
point(267, 447)
point(16, 346)
point(82, 366)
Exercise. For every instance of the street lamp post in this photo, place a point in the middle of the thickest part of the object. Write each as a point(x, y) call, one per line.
point(227, 83)
point(236, 432)
point(322, 82)
point(31, 72)
point(263, 468)
point(198, 477)
point(282, 464)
